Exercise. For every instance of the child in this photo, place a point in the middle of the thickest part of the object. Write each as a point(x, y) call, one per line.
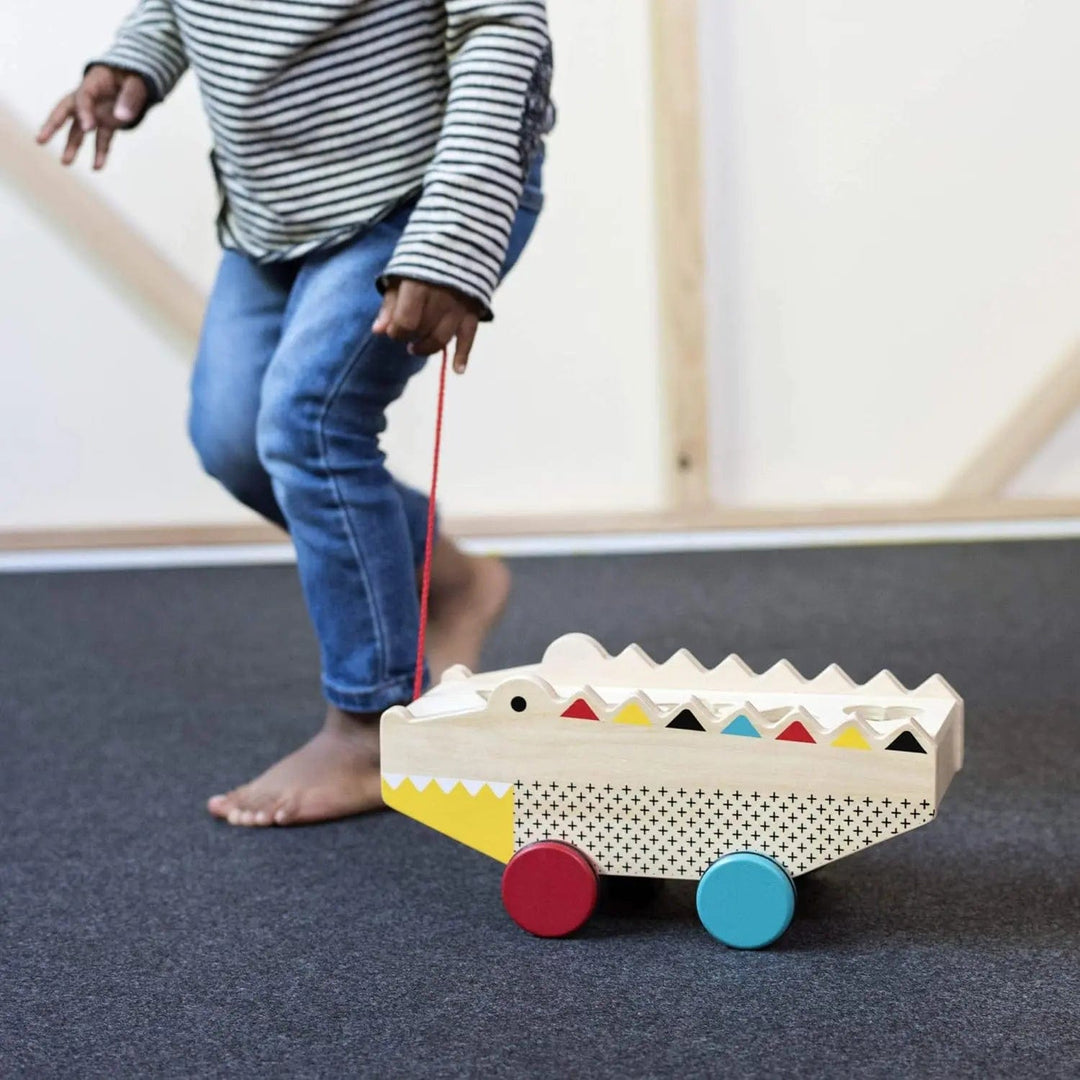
point(379, 169)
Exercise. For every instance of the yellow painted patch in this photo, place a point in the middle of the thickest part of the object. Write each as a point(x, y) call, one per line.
point(852, 739)
point(484, 821)
point(632, 713)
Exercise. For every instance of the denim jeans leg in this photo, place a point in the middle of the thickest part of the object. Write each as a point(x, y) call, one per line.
point(323, 408)
point(240, 332)
point(356, 530)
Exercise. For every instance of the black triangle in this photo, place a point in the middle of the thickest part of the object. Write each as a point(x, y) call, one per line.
point(906, 741)
point(687, 721)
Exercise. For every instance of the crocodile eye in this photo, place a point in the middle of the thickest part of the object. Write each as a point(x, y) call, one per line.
point(518, 704)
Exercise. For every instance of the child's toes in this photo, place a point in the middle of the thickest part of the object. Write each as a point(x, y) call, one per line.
point(219, 805)
point(261, 809)
point(238, 806)
point(285, 812)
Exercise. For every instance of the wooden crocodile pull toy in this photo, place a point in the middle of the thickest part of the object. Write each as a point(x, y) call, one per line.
point(588, 764)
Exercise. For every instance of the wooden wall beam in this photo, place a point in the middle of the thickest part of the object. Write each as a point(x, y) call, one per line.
point(1023, 434)
point(138, 269)
point(680, 267)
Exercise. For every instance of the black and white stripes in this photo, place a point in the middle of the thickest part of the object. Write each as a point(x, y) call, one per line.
point(326, 116)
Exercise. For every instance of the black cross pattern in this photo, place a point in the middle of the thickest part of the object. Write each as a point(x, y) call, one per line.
point(683, 831)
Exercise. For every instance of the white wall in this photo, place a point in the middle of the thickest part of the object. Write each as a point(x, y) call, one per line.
point(894, 238)
point(893, 216)
point(558, 412)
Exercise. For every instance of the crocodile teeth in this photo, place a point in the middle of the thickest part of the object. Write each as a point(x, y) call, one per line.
point(937, 687)
point(683, 661)
point(733, 669)
point(833, 678)
point(783, 675)
point(885, 682)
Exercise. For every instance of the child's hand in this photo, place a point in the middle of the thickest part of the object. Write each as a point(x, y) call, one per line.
point(107, 100)
point(428, 317)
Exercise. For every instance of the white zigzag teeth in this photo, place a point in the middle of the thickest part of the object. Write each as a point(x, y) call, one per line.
point(706, 717)
point(642, 701)
point(808, 720)
point(783, 675)
point(745, 709)
point(593, 700)
point(632, 663)
point(578, 658)
point(647, 703)
point(885, 682)
point(834, 678)
point(636, 653)
point(736, 669)
point(776, 713)
point(446, 784)
point(683, 660)
point(920, 733)
point(937, 687)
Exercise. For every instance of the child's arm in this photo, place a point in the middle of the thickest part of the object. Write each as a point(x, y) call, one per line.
point(142, 66)
point(455, 242)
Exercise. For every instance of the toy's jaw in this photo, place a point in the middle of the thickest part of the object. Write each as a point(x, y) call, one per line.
point(475, 813)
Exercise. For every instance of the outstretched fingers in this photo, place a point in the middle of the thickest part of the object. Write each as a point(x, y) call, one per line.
point(64, 111)
point(106, 99)
point(74, 141)
point(85, 100)
point(103, 138)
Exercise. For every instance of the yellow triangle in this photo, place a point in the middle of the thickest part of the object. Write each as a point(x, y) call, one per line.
point(852, 739)
point(632, 713)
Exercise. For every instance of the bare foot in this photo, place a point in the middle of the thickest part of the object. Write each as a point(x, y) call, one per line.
point(468, 594)
point(334, 775)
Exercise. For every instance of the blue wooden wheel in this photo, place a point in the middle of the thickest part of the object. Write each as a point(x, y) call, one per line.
point(745, 900)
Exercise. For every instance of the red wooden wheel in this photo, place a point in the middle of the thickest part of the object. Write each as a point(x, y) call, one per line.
point(549, 888)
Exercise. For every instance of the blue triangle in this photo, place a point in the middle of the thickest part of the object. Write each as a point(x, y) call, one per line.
point(741, 726)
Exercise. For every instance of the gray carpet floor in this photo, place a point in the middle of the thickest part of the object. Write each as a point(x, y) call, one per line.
point(140, 938)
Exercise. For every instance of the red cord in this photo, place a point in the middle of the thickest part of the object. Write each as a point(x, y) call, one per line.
point(429, 543)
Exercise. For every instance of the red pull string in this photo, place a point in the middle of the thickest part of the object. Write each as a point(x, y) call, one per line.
point(429, 543)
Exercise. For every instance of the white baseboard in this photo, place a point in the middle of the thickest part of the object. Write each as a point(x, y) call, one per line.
point(584, 544)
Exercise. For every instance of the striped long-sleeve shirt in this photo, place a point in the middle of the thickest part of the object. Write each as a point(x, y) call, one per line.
point(328, 115)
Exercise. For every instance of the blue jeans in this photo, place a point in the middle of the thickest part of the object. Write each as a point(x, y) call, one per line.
point(288, 399)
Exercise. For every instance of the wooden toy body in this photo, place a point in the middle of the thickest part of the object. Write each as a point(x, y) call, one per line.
point(658, 770)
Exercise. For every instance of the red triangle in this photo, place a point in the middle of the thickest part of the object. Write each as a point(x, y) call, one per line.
point(580, 711)
point(795, 732)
